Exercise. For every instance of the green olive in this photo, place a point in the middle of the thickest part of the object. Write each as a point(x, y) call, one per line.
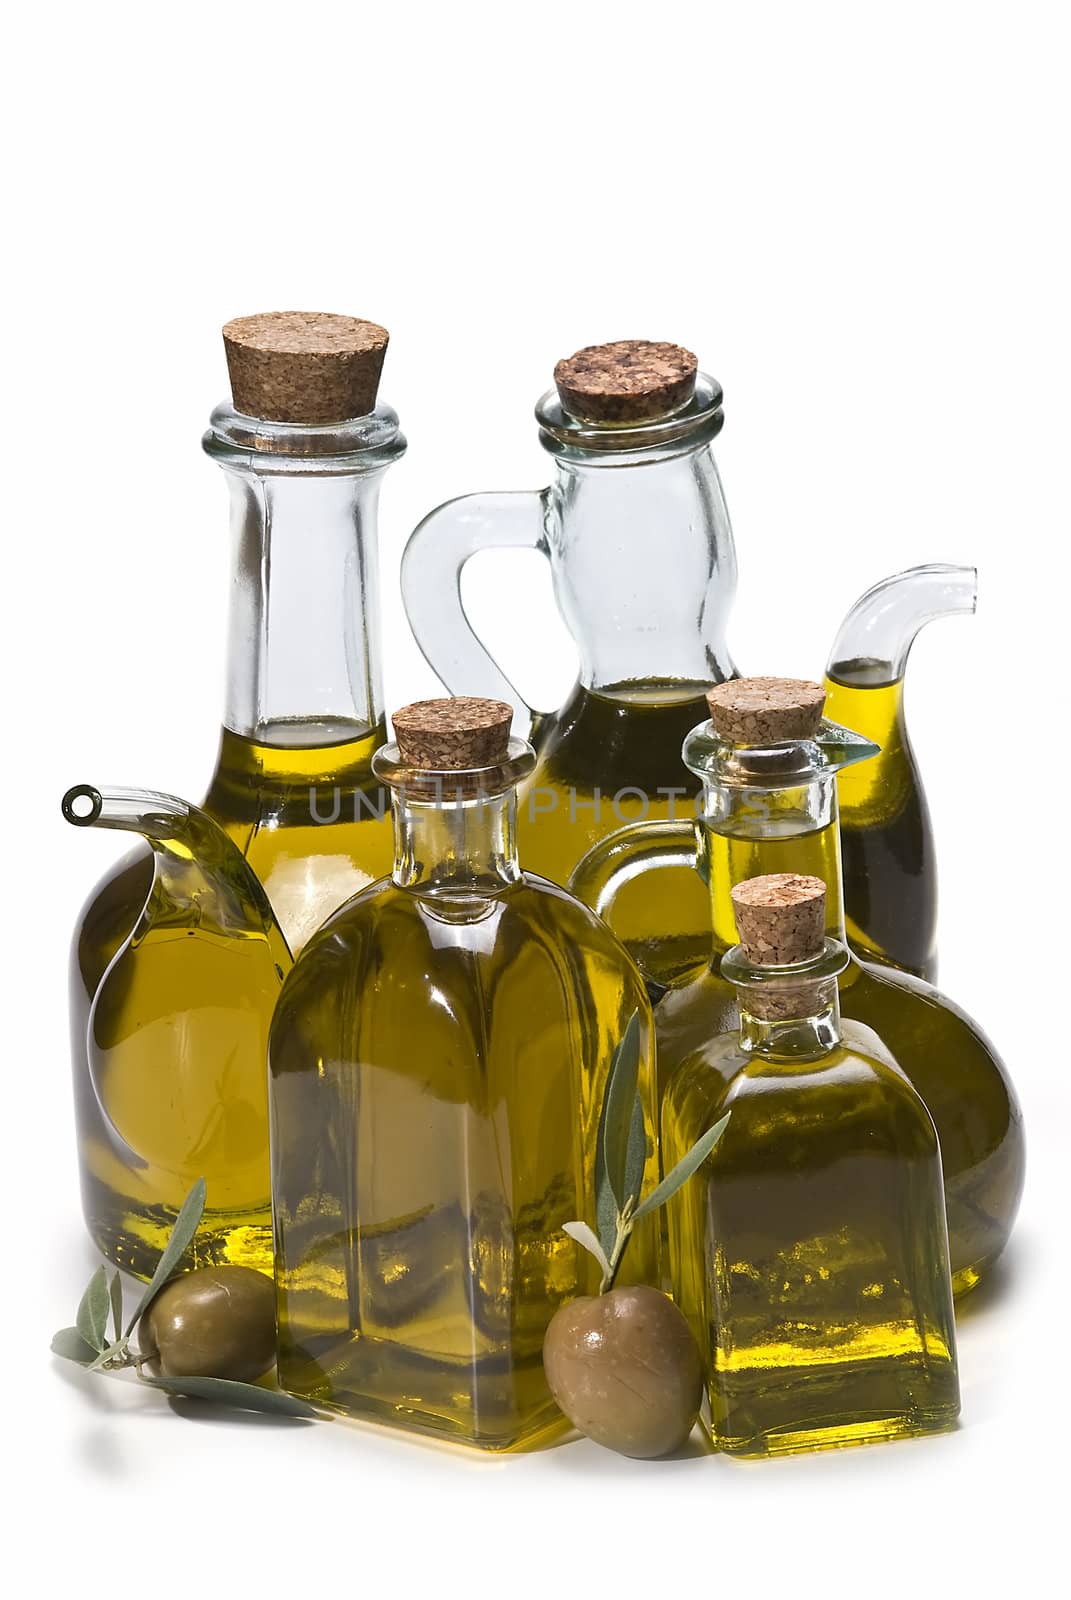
point(217, 1322)
point(624, 1368)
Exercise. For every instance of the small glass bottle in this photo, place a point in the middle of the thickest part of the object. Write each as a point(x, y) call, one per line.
point(303, 447)
point(769, 766)
point(636, 531)
point(438, 1061)
point(810, 1251)
point(890, 864)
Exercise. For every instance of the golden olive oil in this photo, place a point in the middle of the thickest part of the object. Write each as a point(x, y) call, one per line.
point(890, 870)
point(438, 1062)
point(949, 1061)
point(606, 759)
point(311, 822)
point(809, 1251)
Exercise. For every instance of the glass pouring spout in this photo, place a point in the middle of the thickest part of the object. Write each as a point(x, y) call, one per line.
point(176, 1029)
point(890, 870)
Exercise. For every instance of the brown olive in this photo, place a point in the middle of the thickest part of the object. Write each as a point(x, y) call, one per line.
point(624, 1368)
point(217, 1322)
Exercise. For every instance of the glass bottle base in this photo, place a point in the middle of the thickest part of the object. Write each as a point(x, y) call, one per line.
point(832, 1409)
point(376, 1380)
point(134, 1238)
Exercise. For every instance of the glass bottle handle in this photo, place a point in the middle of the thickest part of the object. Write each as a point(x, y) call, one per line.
point(434, 559)
point(641, 847)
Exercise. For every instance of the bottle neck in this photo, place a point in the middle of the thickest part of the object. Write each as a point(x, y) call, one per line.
point(804, 1038)
point(303, 651)
point(751, 831)
point(644, 568)
point(457, 850)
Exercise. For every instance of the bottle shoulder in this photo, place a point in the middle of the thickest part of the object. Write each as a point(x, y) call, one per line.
point(857, 1089)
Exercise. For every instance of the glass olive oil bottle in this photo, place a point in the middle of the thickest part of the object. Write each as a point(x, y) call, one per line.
point(174, 1085)
point(438, 1061)
point(810, 1252)
point(769, 766)
point(635, 528)
point(890, 865)
point(303, 447)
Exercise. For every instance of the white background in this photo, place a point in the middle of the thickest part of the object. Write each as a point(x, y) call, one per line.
point(857, 215)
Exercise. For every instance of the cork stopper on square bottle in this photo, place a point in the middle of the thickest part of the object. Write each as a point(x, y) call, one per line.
point(631, 380)
point(781, 919)
point(453, 735)
point(305, 367)
point(766, 711)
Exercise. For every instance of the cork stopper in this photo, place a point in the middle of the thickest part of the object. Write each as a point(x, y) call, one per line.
point(631, 380)
point(454, 734)
point(781, 919)
point(304, 366)
point(766, 711)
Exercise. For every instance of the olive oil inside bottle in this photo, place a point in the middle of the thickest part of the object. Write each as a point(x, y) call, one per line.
point(609, 757)
point(437, 1071)
point(890, 871)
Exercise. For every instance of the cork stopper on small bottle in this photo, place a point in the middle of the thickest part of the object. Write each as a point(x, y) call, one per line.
point(304, 366)
point(631, 380)
point(453, 735)
point(766, 711)
point(781, 919)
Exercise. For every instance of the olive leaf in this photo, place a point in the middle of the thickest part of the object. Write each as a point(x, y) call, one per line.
point(583, 1234)
point(228, 1391)
point(69, 1344)
point(683, 1170)
point(186, 1225)
point(91, 1318)
point(115, 1294)
point(620, 1106)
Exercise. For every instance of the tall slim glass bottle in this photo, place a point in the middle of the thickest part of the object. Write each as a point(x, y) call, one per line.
point(810, 1251)
point(439, 1058)
point(768, 766)
point(636, 531)
point(303, 446)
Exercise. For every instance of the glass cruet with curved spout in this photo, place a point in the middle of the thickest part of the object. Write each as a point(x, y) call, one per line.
point(174, 1087)
point(635, 528)
point(303, 446)
point(890, 868)
point(438, 1062)
point(769, 767)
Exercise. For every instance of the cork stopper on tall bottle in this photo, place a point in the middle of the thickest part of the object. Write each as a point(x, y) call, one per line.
point(453, 735)
point(766, 711)
point(631, 380)
point(305, 367)
point(781, 920)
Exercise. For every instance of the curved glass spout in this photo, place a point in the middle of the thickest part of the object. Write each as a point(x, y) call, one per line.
point(174, 1086)
point(890, 870)
point(876, 636)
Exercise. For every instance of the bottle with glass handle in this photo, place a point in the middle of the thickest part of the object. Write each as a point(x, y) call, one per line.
point(636, 532)
point(768, 765)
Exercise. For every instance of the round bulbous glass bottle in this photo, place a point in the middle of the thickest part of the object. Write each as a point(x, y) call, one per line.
point(437, 1069)
point(772, 807)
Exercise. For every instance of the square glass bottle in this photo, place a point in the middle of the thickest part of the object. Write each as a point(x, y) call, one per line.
point(437, 1071)
point(810, 1252)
